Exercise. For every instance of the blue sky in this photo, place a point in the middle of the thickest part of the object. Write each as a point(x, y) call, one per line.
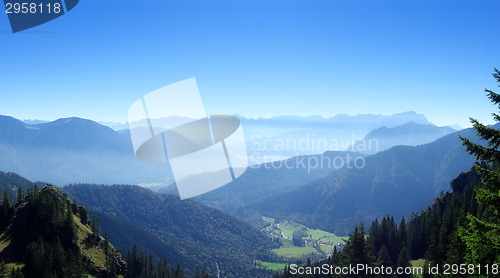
point(257, 58)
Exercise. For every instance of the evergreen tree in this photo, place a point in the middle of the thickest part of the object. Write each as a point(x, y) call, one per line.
point(20, 194)
point(70, 230)
point(95, 226)
point(375, 237)
point(7, 204)
point(59, 263)
point(84, 215)
point(456, 248)
point(383, 257)
point(75, 206)
point(482, 236)
point(110, 256)
point(402, 235)
point(358, 248)
point(98, 226)
point(403, 260)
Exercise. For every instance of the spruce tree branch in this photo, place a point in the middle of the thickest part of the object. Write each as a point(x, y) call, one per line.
point(487, 133)
point(496, 74)
point(496, 117)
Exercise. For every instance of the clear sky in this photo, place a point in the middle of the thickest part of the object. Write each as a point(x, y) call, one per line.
point(257, 58)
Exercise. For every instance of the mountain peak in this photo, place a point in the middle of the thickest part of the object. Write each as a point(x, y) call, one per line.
point(10, 120)
point(74, 120)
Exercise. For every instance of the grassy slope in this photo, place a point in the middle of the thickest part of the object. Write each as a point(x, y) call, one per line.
point(90, 251)
point(270, 266)
point(94, 251)
point(96, 255)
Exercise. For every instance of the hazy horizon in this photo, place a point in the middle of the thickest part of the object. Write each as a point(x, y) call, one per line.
point(105, 122)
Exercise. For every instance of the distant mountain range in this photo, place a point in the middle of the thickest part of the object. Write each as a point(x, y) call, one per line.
point(73, 150)
point(397, 181)
point(408, 134)
point(281, 137)
point(116, 126)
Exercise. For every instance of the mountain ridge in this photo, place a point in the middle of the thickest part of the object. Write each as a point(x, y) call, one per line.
point(267, 179)
point(410, 177)
point(71, 150)
point(408, 134)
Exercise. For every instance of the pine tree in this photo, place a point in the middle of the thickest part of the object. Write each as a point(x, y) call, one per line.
point(456, 248)
point(6, 209)
point(383, 257)
point(59, 263)
point(482, 237)
point(7, 200)
point(98, 226)
point(375, 237)
point(20, 194)
point(84, 215)
point(402, 234)
point(95, 226)
point(70, 231)
point(403, 260)
point(358, 248)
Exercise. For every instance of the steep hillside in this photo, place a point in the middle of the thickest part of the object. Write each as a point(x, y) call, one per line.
point(445, 215)
point(47, 234)
point(183, 232)
point(398, 181)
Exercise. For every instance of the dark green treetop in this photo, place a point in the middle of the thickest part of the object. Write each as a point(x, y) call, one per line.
point(482, 236)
